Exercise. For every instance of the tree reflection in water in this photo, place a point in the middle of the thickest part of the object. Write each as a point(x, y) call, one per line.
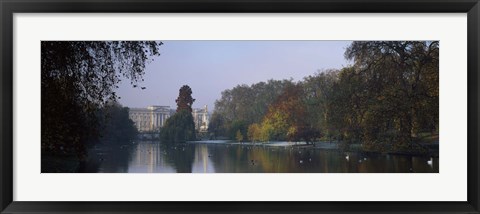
point(155, 157)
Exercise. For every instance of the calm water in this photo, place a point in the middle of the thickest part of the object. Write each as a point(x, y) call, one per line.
point(153, 157)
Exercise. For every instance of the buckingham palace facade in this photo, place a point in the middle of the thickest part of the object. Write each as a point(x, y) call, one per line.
point(153, 118)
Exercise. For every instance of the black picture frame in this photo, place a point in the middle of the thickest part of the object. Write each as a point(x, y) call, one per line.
point(9, 7)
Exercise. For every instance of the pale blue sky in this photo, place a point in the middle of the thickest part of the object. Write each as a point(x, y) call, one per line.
point(209, 67)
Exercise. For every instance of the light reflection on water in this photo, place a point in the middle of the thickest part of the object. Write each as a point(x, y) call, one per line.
point(153, 157)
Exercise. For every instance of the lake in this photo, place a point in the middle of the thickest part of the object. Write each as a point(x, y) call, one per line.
point(226, 157)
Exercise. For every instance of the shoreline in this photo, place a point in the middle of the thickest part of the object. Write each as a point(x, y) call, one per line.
point(433, 148)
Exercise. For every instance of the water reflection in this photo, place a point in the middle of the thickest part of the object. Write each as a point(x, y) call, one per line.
point(154, 157)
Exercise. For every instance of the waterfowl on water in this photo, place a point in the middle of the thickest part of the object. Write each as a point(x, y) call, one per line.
point(430, 162)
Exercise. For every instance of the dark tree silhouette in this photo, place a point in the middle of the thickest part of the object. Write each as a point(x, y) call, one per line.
point(77, 79)
point(401, 81)
point(185, 100)
point(180, 127)
point(117, 127)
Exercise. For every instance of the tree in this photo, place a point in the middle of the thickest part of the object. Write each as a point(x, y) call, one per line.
point(402, 82)
point(347, 105)
point(116, 126)
point(95, 67)
point(77, 79)
point(319, 91)
point(217, 125)
point(180, 127)
point(239, 136)
point(254, 132)
point(275, 125)
point(287, 115)
point(237, 126)
point(248, 104)
point(185, 100)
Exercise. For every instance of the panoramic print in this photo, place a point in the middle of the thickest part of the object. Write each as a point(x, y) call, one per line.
point(239, 106)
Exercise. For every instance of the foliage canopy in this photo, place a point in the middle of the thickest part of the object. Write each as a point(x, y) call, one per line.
point(383, 101)
point(78, 78)
point(180, 127)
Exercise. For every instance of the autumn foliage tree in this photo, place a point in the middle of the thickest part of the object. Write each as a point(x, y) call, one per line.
point(286, 118)
point(384, 101)
point(243, 105)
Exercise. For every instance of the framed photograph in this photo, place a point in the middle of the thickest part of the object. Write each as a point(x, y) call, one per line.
point(210, 106)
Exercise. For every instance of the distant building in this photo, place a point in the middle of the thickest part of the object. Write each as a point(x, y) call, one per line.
point(201, 118)
point(153, 118)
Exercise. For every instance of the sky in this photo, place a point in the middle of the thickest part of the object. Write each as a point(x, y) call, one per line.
point(210, 67)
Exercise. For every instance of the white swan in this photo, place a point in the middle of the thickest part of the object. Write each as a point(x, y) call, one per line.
point(347, 157)
point(430, 162)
